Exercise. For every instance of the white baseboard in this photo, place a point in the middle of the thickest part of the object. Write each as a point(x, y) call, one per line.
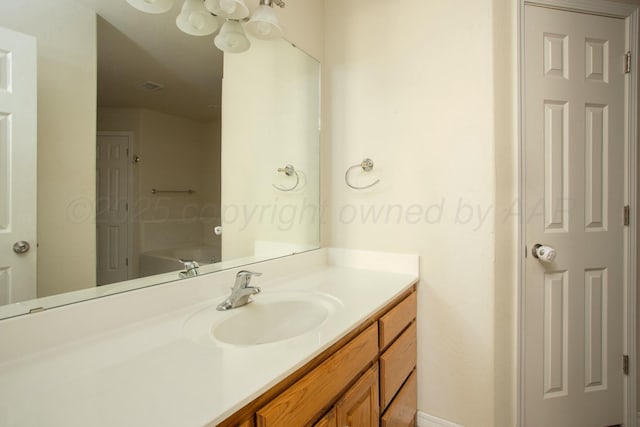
point(426, 420)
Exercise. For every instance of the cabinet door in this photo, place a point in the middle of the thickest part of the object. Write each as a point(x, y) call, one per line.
point(359, 406)
point(328, 420)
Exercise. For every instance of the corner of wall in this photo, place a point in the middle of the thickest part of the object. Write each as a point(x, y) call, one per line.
point(506, 220)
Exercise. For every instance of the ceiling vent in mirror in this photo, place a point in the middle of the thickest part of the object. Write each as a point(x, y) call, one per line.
point(150, 86)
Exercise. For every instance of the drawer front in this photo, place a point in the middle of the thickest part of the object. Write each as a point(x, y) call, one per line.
point(402, 411)
point(396, 364)
point(394, 322)
point(304, 400)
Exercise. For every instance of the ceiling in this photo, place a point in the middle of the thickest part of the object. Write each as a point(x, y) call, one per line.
point(136, 47)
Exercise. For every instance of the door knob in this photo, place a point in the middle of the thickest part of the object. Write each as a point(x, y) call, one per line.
point(543, 253)
point(21, 247)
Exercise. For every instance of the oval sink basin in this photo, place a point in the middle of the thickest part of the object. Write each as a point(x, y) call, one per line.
point(271, 317)
point(261, 323)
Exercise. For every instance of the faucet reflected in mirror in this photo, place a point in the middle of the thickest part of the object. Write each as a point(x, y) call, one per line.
point(190, 269)
point(159, 120)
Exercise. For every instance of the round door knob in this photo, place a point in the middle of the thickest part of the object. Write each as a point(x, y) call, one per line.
point(21, 247)
point(544, 253)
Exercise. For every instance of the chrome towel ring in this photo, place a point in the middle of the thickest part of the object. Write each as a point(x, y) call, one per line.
point(288, 170)
point(367, 166)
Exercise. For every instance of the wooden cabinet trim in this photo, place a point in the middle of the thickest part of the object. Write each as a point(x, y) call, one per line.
point(304, 400)
point(396, 364)
point(402, 410)
point(397, 319)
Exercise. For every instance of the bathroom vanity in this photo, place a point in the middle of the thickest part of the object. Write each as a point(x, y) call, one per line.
point(368, 373)
point(330, 339)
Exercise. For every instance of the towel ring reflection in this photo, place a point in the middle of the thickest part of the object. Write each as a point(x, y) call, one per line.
point(288, 170)
point(367, 166)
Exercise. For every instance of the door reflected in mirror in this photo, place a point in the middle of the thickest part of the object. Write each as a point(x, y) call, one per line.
point(146, 156)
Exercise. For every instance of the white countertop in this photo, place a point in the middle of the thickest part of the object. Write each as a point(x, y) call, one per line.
point(150, 373)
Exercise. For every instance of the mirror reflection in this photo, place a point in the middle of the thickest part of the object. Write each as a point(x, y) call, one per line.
point(146, 156)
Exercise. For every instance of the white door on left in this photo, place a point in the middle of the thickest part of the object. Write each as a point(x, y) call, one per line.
point(18, 181)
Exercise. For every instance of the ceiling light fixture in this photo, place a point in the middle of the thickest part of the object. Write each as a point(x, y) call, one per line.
point(152, 6)
point(231, 38)
point(200, 18)
point(264, 22)
point(195, 19)
point(229, 9)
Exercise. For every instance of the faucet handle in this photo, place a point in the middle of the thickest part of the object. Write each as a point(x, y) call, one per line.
point(243, 277)
point(247, 273)
point(189, 264)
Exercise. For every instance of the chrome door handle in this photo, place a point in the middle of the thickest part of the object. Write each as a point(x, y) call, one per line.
point(21, 247)
point(543, 253)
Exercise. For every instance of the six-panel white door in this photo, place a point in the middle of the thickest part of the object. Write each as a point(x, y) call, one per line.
point(112, 213)
point(574, 178)
point(18, 179)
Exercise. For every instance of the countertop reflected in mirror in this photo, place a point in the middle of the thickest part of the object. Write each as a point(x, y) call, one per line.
point(179, 156)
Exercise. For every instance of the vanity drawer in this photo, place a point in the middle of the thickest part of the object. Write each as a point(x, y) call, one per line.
point(396, 364)
point(402, 411)
point(396, 320)
point(317, 390)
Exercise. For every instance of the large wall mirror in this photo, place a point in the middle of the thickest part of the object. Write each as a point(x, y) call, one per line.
point(146, 155)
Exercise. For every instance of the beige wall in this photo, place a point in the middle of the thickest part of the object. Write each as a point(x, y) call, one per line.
point(176, 153)
point(66, 137)
point(425, 90)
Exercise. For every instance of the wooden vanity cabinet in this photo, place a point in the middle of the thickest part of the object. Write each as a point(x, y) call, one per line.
point(366, 379)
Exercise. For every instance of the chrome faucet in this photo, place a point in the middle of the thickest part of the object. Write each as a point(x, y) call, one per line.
point(241, 291)
point(190, 268)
